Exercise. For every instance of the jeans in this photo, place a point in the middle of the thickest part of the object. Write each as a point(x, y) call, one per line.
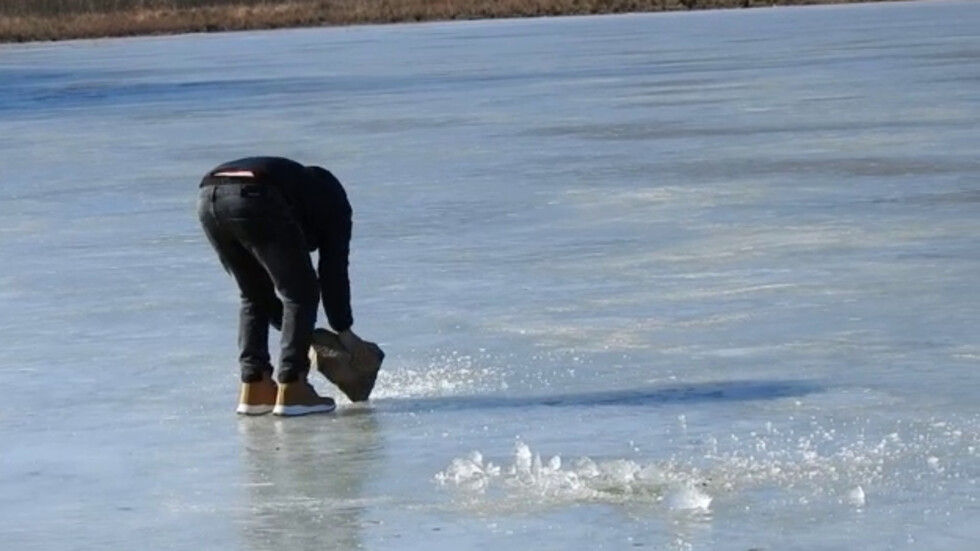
point(260, 244)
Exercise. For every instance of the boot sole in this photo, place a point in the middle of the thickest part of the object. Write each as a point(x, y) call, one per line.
point(294, 411)
point(246, 409)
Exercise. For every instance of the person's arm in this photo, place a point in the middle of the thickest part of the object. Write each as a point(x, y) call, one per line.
point(334, 257)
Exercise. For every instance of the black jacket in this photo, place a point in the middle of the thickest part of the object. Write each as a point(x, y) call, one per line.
point(324, 214)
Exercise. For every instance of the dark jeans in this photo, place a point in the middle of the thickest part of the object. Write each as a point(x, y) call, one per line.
point(261, 245)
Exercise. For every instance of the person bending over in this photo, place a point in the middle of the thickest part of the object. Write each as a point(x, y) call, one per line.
point(264, 216)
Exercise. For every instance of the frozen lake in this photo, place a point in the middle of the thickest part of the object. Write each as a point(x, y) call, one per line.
point(694, 281)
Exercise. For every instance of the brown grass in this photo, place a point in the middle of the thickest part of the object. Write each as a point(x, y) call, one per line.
point(33, 20)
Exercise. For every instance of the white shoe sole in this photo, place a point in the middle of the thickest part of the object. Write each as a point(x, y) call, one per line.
point(246, 409)
point(293, 411)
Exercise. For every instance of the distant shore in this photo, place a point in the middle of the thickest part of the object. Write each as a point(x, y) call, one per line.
point(45, 20)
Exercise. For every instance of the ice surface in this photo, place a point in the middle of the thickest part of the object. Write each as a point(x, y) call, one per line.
point(684, 281)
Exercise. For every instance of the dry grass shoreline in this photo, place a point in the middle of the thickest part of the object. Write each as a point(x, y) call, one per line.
point(44, 20)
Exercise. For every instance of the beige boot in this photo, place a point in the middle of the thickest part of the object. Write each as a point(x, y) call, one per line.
point(300, 398)
point(258, 398)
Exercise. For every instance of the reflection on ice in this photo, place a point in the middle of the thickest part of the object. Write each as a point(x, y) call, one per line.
point(302, 482)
